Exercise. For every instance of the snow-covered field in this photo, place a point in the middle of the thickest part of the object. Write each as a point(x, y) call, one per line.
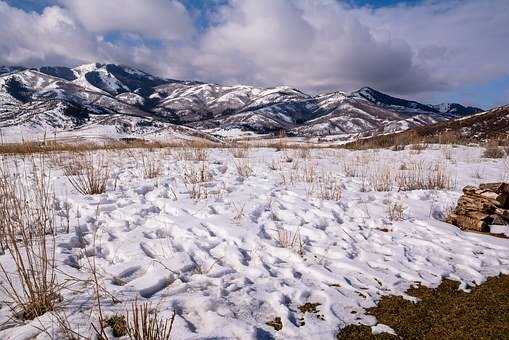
point(230, 244)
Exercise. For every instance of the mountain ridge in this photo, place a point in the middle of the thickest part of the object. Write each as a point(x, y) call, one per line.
point(75, 97)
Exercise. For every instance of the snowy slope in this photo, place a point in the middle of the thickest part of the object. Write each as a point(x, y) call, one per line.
point(107, 89)
point(225, 263)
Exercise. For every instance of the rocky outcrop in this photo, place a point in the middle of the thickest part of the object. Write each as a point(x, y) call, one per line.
point(478, 208)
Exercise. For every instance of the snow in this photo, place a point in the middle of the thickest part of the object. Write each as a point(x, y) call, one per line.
point(219, 261)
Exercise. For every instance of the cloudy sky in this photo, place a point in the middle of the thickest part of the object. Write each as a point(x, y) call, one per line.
point(428, 50)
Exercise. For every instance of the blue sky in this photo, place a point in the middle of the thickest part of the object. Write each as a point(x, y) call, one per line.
point(429, 50)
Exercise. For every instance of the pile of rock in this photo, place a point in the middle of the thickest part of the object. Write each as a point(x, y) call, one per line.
point(478, 208)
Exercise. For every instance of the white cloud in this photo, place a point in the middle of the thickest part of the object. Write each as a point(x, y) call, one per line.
point(326, 44)
point(311, 44)
point(51, 36)
point(164, 19)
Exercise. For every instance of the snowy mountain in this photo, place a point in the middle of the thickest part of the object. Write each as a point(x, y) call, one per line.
point(62, 98)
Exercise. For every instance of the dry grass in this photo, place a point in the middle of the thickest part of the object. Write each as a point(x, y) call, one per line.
point(151, 166)
point(328, 187)
point(27, 225)
point(192, 153)
point(290, 240)
point(303, 153)
point(194, 174)
point(145, 323)
point(493, 150)
point(195, 178)
point(244, 168)
point(395, 211)
point(418, 177)
point(239, 212)
point(240, 152)
point(382, 179)
point(308, 173)
point(419, 147)
point(93, 177)
point(28, 148)
point(275, 165)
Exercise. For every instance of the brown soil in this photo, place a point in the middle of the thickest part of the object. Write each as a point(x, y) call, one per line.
point(443, 313)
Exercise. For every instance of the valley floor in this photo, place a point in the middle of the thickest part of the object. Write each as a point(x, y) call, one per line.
point(257, 243)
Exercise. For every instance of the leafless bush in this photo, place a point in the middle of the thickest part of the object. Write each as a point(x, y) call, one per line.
point(275, 165)
point(303, 153)
point(151, 167)
point(244, 168)
point(197, 174)
point(395, 211)
point(239, 212)
point(27, 224)
point(382, 179)
point(419, 147)
point(309, 172)
point(349, 168)
point(240, 152)
point(329, 190)
point(289, 239)
point(492, 150)
point(197, 191)
point(192, 153)
point(145, 323)
point(93, 177)
point(418, 177)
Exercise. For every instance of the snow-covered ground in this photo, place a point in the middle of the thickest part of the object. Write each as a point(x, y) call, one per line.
point(258, 245)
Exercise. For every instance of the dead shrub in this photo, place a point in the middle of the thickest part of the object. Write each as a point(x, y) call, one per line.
point(303, 153)
point(118, 325)
point(419, 147)
point(309, 172)
point(197, 174)
point(382, 179)
point(151, 167)
point(395, 211)
point(27, 224)
point(435, 177)
point(329, 188)
point(290, 240)
point(192, 154)
point(492, 150)
point(240, 152)
point(93, 177)
point(145, 323)
point(244, 168)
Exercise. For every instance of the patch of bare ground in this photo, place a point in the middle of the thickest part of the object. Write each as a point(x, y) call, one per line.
point(443, 313)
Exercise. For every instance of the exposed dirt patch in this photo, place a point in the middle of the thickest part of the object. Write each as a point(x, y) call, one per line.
point(277, 324)
point(361, 332)
point(311, 308)
point(443, 313)
point(118, 325)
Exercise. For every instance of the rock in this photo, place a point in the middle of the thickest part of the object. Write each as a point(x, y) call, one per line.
point(479, 207)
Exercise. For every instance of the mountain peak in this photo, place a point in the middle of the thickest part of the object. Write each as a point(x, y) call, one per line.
point(88, 93)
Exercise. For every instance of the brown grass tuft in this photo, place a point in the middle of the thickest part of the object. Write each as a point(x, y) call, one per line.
point(145, 323)
point(27, 227)
point(92, 178)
